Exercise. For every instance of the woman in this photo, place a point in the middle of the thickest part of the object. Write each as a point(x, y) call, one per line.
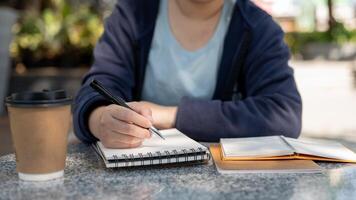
point(210, 68)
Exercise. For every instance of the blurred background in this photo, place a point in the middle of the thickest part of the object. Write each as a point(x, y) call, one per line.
point(49, 43)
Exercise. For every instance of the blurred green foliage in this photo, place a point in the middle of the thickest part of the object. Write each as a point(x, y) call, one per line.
point(59, 35)
point(338, 35)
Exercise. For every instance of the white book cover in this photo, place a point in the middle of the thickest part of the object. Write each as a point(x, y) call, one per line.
point(321, 148)
point(255, 147)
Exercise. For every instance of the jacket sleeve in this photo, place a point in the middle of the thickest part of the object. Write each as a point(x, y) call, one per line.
point(113, 66)
point(273, 105)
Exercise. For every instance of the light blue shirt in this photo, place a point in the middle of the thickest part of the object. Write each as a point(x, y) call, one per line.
point(173, 72)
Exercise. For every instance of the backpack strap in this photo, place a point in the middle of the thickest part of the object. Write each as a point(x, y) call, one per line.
point(236, 84)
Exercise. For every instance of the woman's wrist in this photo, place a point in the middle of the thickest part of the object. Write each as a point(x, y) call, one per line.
point(173, 111)
point(168, 117)
point(94, 120)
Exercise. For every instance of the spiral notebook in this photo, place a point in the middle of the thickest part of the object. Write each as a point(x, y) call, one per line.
point(176, 148)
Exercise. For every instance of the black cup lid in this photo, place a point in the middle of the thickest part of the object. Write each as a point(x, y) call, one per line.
point(45, 98)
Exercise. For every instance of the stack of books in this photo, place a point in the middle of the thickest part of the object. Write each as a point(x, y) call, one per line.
point(277, 154)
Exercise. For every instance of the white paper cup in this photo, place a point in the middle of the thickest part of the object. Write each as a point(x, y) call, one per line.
point(39, 124)
point(41, 177)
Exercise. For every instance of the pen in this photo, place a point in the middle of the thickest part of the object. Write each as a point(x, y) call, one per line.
point(97, 86)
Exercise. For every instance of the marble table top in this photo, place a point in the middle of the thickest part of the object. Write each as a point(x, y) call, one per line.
point(87, 178)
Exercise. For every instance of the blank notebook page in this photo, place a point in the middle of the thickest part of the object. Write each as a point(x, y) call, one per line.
point(327, 149)
point(175, 143)
point(255, 147)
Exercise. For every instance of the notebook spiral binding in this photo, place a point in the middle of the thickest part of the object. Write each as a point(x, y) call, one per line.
point(171, 156)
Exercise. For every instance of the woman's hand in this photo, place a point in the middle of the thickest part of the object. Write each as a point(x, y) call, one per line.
point(164, 117)
point(119, 127)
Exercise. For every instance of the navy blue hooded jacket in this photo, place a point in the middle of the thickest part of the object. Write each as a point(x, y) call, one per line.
point(253, 66)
